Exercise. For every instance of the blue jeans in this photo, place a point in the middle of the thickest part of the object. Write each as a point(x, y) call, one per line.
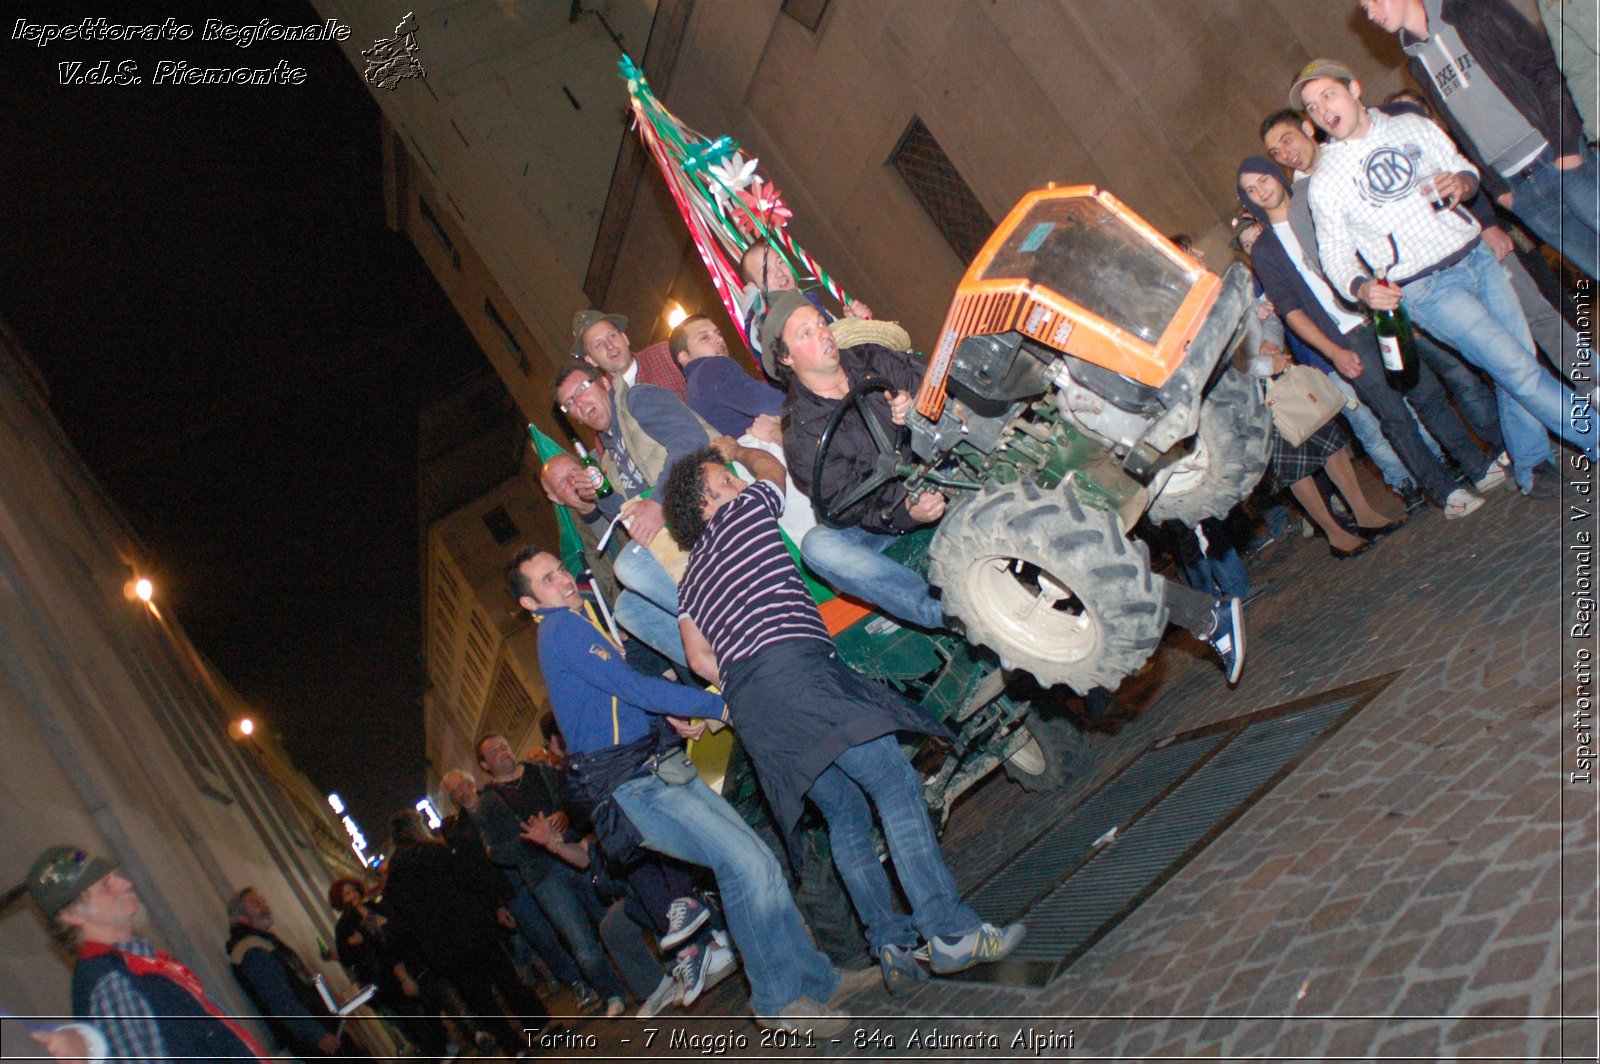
point(1364, 423)
point(648, 609)
point(852, 560)
point(1560, 206)
point(878, 770)
point(1471, 307)
point(1473, 398)
point(568, 899)
point(535, 931)
point(692, 823)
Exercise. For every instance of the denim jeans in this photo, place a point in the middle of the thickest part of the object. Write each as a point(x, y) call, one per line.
point(1552, 333)
point(1365, 425)
point(648, 609)
point(878, 770)
point(692, 823)
point(567, 898)
point(1471, 307)
point(1400, 428)
point(1560, 206)
point(852, 560)
point(1474, 398)
point(535, 930)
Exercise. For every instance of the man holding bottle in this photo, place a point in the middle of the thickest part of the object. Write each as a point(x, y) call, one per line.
point(1368, 199)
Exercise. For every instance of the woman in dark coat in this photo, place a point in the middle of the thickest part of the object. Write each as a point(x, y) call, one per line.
point(443, 923)
point(363, 945)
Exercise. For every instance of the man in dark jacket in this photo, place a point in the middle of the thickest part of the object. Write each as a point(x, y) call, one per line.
point(279, 984)
point(797, 347)
point(1494, 78)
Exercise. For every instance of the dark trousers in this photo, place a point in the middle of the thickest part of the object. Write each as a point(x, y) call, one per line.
point(1433, 408)
point(477, 978)
point(1188, 608)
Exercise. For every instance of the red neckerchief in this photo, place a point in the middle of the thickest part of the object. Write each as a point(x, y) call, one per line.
point(170, 969)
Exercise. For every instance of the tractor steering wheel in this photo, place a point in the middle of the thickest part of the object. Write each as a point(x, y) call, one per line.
point(886, 467)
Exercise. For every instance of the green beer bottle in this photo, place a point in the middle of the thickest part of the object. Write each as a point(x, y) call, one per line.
point(1397, 341)
point(597, 476)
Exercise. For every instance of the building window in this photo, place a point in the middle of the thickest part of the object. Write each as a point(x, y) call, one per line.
point(500, 324)
point(806, 12)
point(942, 191)
point(439, 234)
point(500, 525)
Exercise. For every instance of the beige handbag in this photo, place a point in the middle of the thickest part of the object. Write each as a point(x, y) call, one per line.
point(1302, 400)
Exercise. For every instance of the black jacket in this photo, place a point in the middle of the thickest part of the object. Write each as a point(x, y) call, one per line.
point(852, 455)
point(1518, 58)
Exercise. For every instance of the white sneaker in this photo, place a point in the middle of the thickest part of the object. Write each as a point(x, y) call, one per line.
point(615, 1007)
point(1496, 474)
point(1461, 503)
point(662, 996)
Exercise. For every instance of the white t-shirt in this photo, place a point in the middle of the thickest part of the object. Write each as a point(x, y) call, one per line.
point(1344, 319)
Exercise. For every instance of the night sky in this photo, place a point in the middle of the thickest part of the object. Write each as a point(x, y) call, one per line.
point(238, 347)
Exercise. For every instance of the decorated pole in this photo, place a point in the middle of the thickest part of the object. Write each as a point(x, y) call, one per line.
point(725, 202)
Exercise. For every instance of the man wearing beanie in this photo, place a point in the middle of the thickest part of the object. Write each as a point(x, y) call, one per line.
point(1367, 200)
point(148, 1005)
point(1346, 340)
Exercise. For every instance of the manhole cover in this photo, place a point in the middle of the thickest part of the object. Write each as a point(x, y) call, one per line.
point(1088, 871)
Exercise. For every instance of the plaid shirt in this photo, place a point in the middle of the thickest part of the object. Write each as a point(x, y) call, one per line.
point(1366, 199)
point(658, 367)
point(123, 1014)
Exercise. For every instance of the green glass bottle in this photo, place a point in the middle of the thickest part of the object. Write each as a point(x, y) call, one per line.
point(1397, 341)
point(597, 476)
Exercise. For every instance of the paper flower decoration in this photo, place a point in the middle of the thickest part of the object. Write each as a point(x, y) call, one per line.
point(763, 200)
point(729, 177)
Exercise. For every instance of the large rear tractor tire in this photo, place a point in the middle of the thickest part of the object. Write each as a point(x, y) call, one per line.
point(1052, 587)
point(1226, 459)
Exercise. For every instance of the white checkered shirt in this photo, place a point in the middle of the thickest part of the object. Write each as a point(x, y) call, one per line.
point(1366, 199)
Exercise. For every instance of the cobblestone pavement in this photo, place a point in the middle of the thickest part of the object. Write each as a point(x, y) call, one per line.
point(1412, 890)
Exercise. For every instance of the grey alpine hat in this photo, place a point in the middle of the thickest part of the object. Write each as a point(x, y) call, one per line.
point(62, 873)
point(582, 321)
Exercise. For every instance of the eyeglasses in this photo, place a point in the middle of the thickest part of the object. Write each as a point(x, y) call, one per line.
point(577, 393)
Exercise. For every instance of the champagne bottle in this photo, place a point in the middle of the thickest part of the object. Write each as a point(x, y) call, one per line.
point(597, 476)
point(1397, 341)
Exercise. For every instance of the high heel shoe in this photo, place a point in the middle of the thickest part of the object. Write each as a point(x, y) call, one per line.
point(1341, 555)
point(1379, 531)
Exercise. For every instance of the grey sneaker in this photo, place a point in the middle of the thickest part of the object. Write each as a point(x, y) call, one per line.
point(983, 945)
point(665, 993)
point(805, 1014)
point(901, 972)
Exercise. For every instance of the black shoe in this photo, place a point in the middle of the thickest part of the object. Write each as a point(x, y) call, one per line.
point(1546, 482)
point(1412, 496)
point(1341, 554)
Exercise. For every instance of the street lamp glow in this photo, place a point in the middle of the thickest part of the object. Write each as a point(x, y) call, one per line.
point(676, 316)
point(246, 726)
point(144, 589)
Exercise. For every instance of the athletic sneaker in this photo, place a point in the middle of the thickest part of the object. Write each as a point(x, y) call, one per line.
point(685, 916)
point(585, 997)
point(1227, 637)
point(1495, 475)
point(615, 1007)
point(665, 993)
point(805, 1014)
point(1461, 503)
point(694, 965)
point(983, 945)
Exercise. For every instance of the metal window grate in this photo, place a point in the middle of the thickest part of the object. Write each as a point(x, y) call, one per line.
point(941, 190)
point(1167, 804)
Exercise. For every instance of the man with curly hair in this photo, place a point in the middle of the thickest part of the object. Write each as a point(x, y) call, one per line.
point(811, 725)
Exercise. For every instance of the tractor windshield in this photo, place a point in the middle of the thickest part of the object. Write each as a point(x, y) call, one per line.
point(1087, 254)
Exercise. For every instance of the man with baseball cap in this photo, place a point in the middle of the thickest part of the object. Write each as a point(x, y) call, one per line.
point(601, 340)
point(1373, 219)
point(148, 1005)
